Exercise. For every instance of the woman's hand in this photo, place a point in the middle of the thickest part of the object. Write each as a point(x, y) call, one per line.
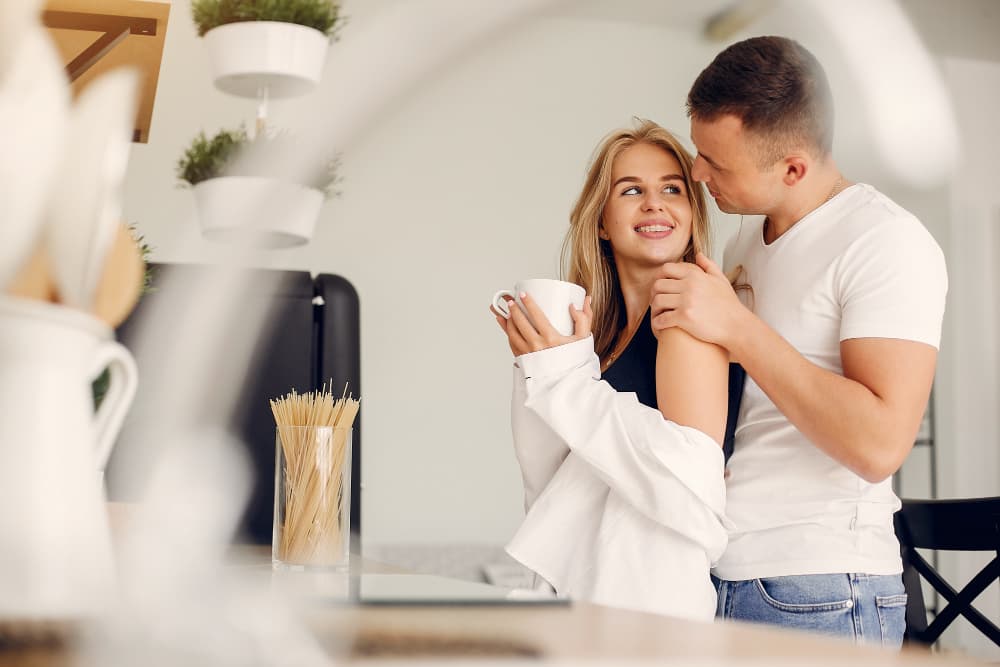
point(524, 338)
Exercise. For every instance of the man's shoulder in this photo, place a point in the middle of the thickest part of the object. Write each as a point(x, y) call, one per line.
point(872, 206)
point(871, 217)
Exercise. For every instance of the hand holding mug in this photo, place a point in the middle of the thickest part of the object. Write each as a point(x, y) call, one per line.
point(542, 313)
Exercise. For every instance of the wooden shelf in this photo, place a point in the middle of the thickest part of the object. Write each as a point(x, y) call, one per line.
point(96, 36)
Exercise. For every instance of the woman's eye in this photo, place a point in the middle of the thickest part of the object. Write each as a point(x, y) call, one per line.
point(634, 190)
point(672, 189)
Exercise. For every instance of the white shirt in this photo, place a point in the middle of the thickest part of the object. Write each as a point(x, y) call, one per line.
point(624, 508)
point(858, 266)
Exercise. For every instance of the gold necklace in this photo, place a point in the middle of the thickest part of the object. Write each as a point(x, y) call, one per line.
point(833, 192)
point(623, 342)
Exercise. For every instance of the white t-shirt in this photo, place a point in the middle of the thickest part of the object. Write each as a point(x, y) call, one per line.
point(859, 266)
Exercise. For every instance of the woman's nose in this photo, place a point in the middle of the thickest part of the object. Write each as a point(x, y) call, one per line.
point(652, 201)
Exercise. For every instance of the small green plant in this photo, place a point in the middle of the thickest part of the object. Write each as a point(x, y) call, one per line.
point(323, 15)
point(101, 383)
point(207, 158)
point(220, 155)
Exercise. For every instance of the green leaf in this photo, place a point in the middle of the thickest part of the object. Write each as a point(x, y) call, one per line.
point(323, 15)
point(211, 158)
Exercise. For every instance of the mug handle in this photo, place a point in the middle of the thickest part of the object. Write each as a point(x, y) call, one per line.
point(500, 303)
point(124, 378)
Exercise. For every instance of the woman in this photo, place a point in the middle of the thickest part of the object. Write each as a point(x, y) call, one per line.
point(623, 474)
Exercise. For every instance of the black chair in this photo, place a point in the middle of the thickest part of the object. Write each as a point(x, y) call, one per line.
point(947, 525)
point(311, 335)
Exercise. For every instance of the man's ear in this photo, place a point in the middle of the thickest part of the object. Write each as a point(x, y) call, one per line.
point(796, 167)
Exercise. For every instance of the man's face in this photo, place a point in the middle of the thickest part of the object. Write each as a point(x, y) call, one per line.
point(727, 164)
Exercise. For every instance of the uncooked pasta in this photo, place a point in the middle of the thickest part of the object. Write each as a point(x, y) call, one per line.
point(312, 477)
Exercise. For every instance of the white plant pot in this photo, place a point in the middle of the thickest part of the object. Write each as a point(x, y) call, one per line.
point(286, 58)
point(257, 212)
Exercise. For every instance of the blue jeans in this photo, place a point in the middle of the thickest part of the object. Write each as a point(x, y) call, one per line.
point(867, 608)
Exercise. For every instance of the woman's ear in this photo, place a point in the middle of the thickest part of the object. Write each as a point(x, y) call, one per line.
point(602, 233)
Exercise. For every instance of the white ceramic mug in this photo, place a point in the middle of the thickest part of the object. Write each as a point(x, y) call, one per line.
point(552, 296)
point(57, 557)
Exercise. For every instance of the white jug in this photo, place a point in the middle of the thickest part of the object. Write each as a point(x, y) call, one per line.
point(55, 547)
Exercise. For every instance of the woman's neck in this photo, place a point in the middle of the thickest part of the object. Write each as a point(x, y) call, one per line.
point(637, 286)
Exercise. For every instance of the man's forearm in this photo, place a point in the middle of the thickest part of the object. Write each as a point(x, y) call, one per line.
point(841, 416)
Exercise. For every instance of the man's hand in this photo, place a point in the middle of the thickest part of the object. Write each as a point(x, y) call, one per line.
point(699, 299)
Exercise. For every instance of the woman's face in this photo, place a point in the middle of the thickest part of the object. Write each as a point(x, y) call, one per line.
point(647, 218)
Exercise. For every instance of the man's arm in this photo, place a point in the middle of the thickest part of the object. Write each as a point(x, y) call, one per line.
point(866, 419)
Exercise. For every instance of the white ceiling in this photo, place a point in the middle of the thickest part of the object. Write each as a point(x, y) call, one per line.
point(956, 28)
point(681, 14)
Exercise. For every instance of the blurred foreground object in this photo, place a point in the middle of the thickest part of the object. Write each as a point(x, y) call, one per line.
point(913, 125)
point(34, 106)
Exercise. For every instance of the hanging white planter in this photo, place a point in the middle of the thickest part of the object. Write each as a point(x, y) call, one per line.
point(285, 58)
point(258, 212)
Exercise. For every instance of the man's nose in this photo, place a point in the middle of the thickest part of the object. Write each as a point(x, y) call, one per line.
point(699, 170)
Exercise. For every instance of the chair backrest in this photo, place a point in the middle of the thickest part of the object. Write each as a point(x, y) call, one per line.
point(311, 335)
point(947, 525)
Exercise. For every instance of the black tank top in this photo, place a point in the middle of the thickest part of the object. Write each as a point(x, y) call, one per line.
point(635, 370)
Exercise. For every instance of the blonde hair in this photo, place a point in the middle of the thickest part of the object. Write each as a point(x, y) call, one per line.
point(588, 260)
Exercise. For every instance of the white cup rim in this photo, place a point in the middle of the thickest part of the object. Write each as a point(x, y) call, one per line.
point(18, 308)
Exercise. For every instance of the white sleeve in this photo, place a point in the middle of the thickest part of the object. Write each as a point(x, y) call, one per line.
point(670, 473)
point(538, 449)
point(892, 282)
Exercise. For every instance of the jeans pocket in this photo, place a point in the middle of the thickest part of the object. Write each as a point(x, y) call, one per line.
point(796, 595)
point(891, 618)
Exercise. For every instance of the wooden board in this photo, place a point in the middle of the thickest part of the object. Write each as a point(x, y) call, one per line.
point(79, 25)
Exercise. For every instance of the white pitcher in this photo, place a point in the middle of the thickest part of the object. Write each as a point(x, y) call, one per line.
point(55, 547)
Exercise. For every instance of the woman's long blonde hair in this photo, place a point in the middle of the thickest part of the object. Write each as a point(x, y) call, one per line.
point(588, 260)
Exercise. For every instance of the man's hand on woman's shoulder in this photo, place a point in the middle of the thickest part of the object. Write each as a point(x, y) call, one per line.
point(697, 298)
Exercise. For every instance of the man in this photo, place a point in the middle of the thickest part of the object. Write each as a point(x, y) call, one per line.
point(837, 327)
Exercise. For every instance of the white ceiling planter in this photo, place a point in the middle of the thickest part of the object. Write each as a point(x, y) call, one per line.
point(285, 59)
point(257, 212)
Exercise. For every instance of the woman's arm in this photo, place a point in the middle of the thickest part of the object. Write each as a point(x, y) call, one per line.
point(668, 472)
point(692, 382)
point(539, 451)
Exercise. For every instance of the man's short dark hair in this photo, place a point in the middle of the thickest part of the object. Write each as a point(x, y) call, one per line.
point(777, 89)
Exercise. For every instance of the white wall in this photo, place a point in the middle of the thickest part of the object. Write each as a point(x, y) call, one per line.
point(969, 399)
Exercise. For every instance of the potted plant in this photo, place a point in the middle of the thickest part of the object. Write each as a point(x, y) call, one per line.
point(266, 47)
point(238, 196)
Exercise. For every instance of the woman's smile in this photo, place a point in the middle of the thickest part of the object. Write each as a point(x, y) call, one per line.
point(654, 229)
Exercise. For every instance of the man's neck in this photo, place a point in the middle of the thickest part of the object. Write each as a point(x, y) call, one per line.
point(824, 188)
